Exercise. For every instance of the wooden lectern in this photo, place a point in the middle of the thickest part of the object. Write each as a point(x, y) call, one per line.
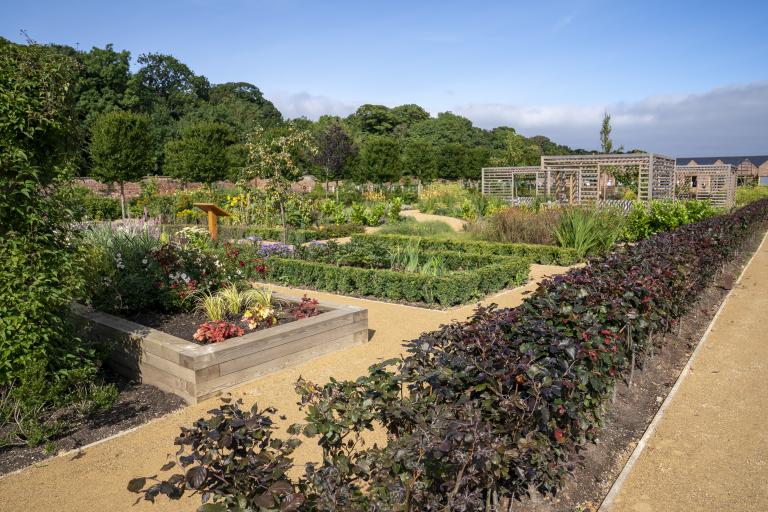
point(214, 212)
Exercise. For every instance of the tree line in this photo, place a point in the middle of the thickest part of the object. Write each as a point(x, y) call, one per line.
point(166, 119)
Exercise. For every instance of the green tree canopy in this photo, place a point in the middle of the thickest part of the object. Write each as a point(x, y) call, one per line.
point(202, 153)
point(380, 160)
point(420, 160)
point(165, 81)
point(121, 148)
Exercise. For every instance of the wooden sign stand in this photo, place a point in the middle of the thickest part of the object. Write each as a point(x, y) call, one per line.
point(214, 212)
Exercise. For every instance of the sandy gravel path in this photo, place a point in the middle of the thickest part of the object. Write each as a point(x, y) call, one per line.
point(95, 479)
point(456, 224)
point(710, 448)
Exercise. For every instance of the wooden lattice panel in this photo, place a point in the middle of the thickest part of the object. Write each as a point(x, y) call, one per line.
point(715, 183)
point(504, 182)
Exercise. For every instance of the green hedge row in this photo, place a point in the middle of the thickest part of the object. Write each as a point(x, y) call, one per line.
point(543, 254)
point(294, 236)
point(448, 290)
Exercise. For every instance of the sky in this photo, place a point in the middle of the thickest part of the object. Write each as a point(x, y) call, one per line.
point(679, 77)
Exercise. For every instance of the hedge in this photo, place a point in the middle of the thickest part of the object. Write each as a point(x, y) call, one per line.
point(453, 288)
point(543, 254)
point(294, 236)
point(478, 412)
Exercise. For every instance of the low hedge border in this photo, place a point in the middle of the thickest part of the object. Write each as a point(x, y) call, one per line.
point(543, 254)
point(454, 288)
point(294, 236)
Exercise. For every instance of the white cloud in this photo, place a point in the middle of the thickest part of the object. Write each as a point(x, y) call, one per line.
point(310, 106)
point(725, 121)
point(728, 120)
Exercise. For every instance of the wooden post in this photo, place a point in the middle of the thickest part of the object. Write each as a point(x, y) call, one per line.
point(214, 212)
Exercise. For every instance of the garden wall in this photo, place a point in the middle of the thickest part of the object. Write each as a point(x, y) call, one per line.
point(196, 372)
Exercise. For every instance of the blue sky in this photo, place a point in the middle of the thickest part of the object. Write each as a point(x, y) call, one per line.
point(679, 77)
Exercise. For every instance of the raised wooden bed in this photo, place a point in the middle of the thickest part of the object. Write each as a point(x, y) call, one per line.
point(195, 372)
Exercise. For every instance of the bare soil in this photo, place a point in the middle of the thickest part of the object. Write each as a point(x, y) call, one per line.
point(634, 408)
point(136, 404)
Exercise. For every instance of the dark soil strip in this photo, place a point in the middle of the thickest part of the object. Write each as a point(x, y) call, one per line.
point(634, 409)
point(136, 404)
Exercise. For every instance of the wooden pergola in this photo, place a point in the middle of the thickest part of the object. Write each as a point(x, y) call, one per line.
point(577, 179)
point(715, 183)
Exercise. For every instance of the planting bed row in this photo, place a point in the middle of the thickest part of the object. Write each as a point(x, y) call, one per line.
point(370, 267)
point(543, 254)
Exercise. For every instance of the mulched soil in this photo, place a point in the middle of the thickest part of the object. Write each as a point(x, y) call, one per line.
point(183, 325)
point(635, 407)
point(136, 404)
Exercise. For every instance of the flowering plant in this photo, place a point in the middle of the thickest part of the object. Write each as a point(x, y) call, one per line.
point(304, 309)
point(262, 314)
point(216, 332)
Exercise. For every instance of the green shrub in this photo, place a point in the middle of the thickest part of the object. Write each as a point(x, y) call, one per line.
point(92, 206)
point(661, 216)
point(447, 290)
point(588, 231)
point(543, 254)
point(746, 195)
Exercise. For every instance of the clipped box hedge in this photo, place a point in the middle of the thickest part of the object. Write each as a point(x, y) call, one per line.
point(294, 236)
point(485, 275)
point(543, 254)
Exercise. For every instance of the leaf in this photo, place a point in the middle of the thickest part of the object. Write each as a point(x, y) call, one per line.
point(212, 507)
point(167, 466)
point(196, 477)
point(137, 484)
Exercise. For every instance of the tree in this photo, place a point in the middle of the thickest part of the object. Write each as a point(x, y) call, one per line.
point(335, 149)
point(121, 149)
point(102, 83)
point(166, 81)
point(40, 268)
point(239, 105)
point(606, 144)
point(380, 160)
point(447, 128)
point(420, 160)
point(373, 119)
point(202, 153)
point(277, 159)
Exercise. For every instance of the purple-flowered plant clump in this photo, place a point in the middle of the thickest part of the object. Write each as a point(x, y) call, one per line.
point(278, 249)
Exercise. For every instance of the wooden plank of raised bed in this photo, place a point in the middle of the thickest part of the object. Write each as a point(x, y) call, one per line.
point(215, 386)
point(294, 345)
point(208, 355)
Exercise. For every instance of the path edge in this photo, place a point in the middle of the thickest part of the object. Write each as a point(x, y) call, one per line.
point(610, 498)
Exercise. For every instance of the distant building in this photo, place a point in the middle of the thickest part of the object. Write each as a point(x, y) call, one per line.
point(750, 170)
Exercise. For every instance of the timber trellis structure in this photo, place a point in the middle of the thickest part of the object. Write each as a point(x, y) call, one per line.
point(715, 183)
point(577, 179)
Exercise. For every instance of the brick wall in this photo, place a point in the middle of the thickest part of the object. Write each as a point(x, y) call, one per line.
point(167, 186)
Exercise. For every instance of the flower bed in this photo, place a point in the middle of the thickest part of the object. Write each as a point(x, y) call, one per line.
point(481, 411)
point(196, 371)
point(363, 267)
point(543, 254)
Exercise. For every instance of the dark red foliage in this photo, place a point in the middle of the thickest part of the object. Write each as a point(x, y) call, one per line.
point(304, 309)
point(215, 332)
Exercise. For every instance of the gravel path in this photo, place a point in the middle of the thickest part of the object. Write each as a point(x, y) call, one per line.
point(710, 447)
point(456, 224)
point(95, 479)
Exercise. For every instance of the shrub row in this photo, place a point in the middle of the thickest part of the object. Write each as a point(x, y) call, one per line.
point(543, 254)
point(479, 412)
point(450, 289)
point(294, 236)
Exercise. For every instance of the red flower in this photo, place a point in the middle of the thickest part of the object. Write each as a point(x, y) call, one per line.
point(559, 436)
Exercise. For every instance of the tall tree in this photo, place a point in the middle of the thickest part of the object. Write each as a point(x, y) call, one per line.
point(202, 153)
point(420, 160)
point(121, 149)
point(240, 105)
point(380, 160)
point(103, 82)
point(373, 119)
point(606, 144)
point(335, 149)
point(277, 159)
point(165, 81)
